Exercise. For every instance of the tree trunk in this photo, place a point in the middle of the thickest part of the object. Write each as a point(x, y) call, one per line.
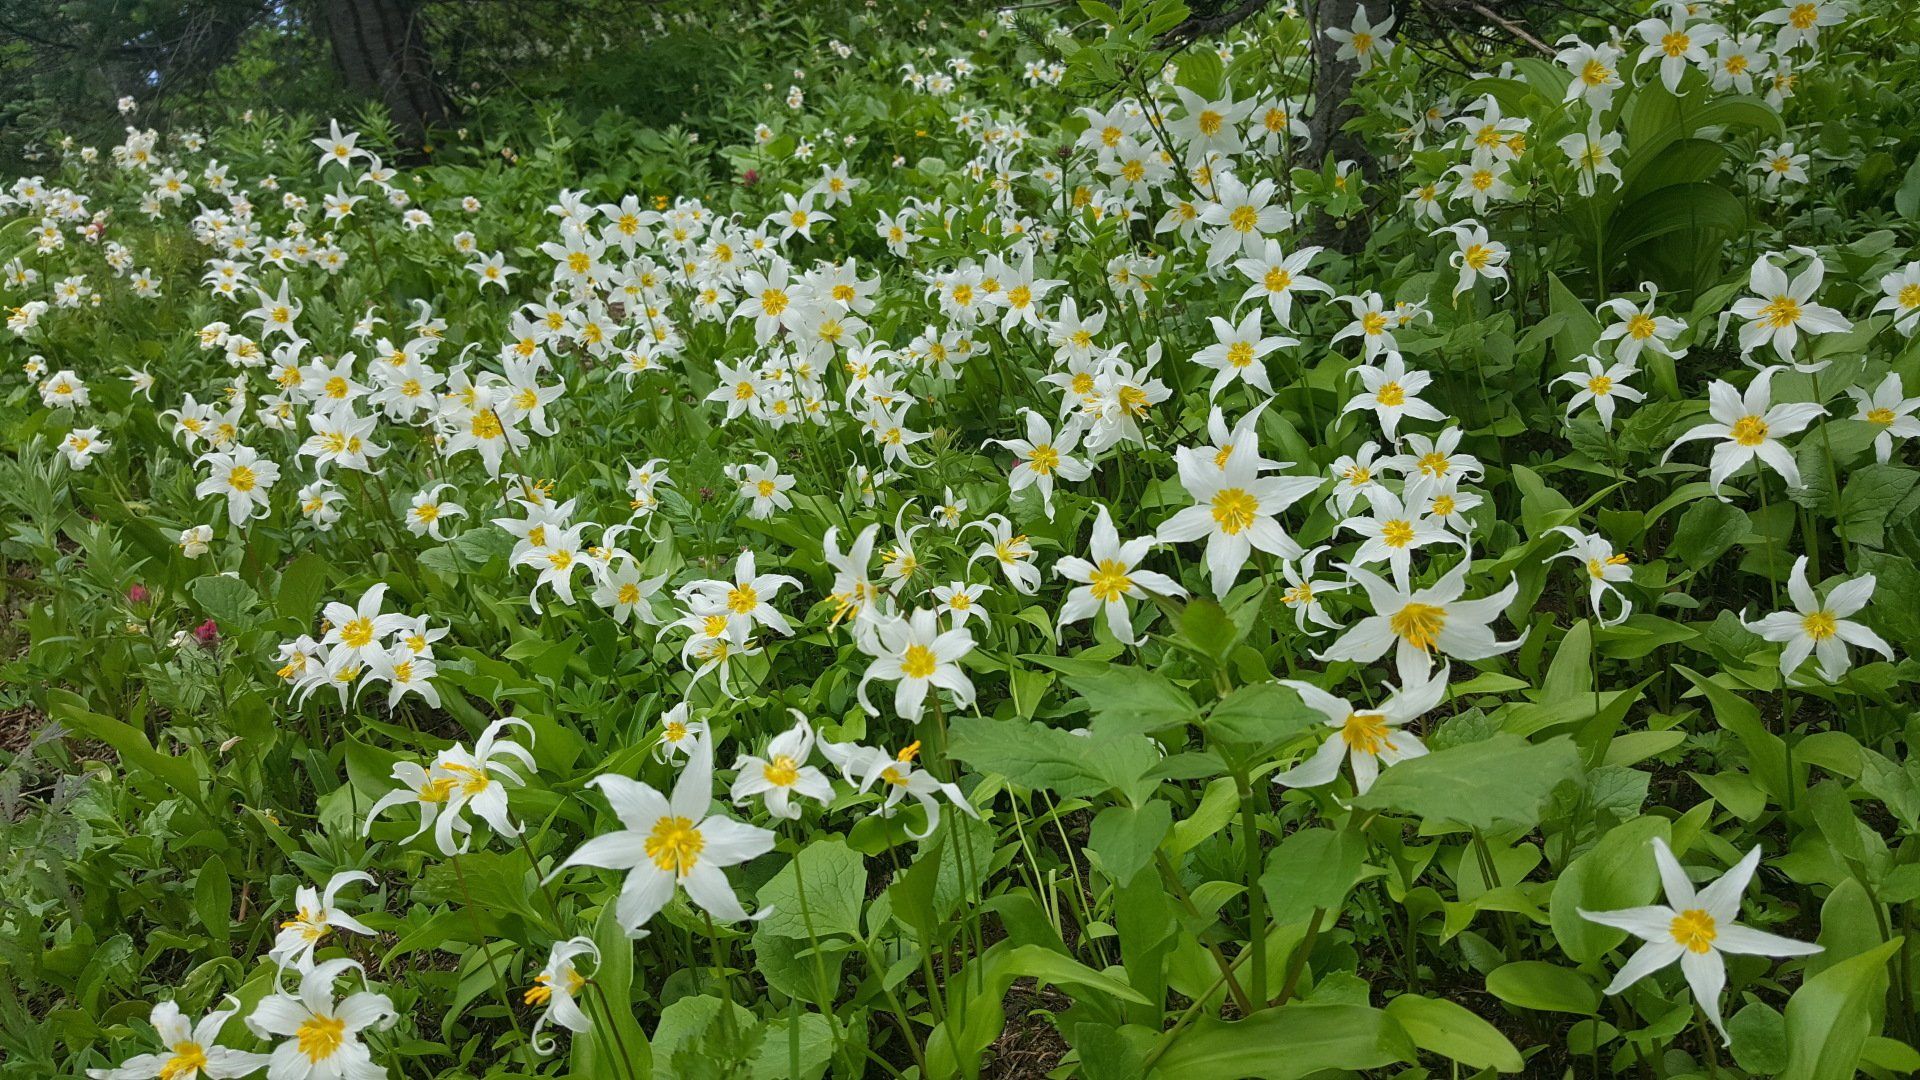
point(379, 47)
point(1332, 109)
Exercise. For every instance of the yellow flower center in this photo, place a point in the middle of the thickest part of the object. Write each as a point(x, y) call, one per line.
point(486, 425)
point(1374, 322)
point(1749, 431)
point(1367, 733)
point(773, 301)
point(188, 1058)
point(629, 594)
point(1596, 73)
point(781, 771)
point(1820, 625)
point(1442, 506)
point(1600, 386)
point(1397, 533)
point(357, 634)
point(918, 662)
point(1782, 312)
point(1418, 624)
point(1883, 417)
point(240, 478)
point(742, 599)
point(1909, 296)
point(1110, 581)
point(1043, 459)
point(1363, 43)
point(1676, 44)
point(675, 845)
point(1390, 394)
point(1736, 64)
point(321, 1036)
point(1240, 354)
point(1694, 929)
point(1234, 510)
point(1243, 218)
point(1210, 122)
point(1803, 16)
point(1278, 280)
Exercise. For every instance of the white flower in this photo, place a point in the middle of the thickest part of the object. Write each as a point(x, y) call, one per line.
point(1304, 591)
point(1596, 72)
point(1044, 456)
point(429, 512)
point(194, 540)
point(867, 766)
point(1005, 547)
point(244, 477)
point(1276, 276)
point(961, 601)
point(322, 1036)
point(1750, 427)
point(1238, 353)
point(1820, 628)
point(1783, 310)
point(1902, 297)
point(1694, 928)
point(1887, 409)
point(1675, 44)
point(1420, 622)
point(1235, 508)
point(1604, 568)
point(1800, 21)
point(314, 919)
point(1393, 533)
point(919, 657)
point(1591, 154)
point(421, 788)
point(193, 1050)
point(477, 781)
point(678, 735)
point(1366, 42)
point(746, 597)
point(1477, 257)
point(82, 445)
point(1392, 392)
point(1600, 384)
point(666, 844)
point(783, 772)
point(1638, 328)
point(557, 987)
point(624, 593)
point(1369, 738)
point(1110, 578)
point(1778, 164)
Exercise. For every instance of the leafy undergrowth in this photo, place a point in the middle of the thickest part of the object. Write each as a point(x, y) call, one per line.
point(989, 553)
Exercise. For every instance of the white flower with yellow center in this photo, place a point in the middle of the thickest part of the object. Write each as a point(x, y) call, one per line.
point(919, 658)
point(1749, 426)
point(1304, 591)
point(1392, 392)
point(783, 773)
point(1417, 623)
point(1888, 411)
point(747, 597)
point(1370, 739)
point(1110, 577)
point(1478, 256)
point(867, 766)
point(557, 990)
point(1393, 532)
point(1695, 928)
point(1239, 352)
point(1675, 44)
point(243, 477)
point(670, 844)
point(1821, 628)
point(421, 788)
point(1900, 294)
point(1276, 276)
point(1009, 550)
point(314, 920)
point(1235, 509)
point(1366, 42)
point(1782, 310)
point(1602, 384)
point(1604, 569)
point(1044, 457)
point(428, 512)
point(1596, 72)
point(191, 1050)
point(322, 1035)
point(1638, 328)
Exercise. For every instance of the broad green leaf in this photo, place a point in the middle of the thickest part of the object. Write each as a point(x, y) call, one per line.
point(1123, 838)
point(1544, 987)
point(834, 879)
point(1288, 1042)
point(1454, 1032)
point(1501, 780)
point(1617, 872)
point(1831, 1015)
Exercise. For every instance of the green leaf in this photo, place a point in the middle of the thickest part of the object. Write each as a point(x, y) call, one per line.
point(1906, 199)
point(834, 878)
point(228, 600)
point(1200, 71)
point(1503, 779)
point(1455, 1033)
point(213, 900)
point(1034, 755)
point(1831, 1015)
point(302, 584)
point(1132, 700)
point(1737, 715)
point(1867, 499)
point(1706, 531)
point(1683, 208)
point(1262, 716)
point(1123, 838)
point(1544, 987)
point(1617, 872)
point(129, 742)
point(1312, 868)
point(1288, 1042)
